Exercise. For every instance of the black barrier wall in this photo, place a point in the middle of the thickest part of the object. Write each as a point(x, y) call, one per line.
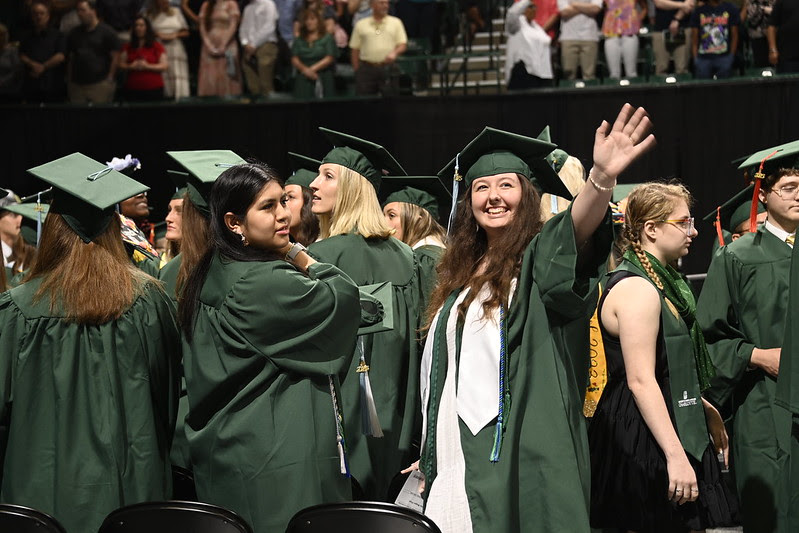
point(700, 128)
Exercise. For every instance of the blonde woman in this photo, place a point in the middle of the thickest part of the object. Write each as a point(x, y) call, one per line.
point(356, 238)
point(653, 467)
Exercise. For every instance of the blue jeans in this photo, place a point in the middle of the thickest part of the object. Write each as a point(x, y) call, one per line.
point(710, 64)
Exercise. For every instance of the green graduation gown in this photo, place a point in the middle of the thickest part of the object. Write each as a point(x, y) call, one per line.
point(261, 425)
point(87, 411)
point(787, 397)
point(542, 479)
point(742, 306)
point(427, 257)
point(179, 454)
point(391, 355)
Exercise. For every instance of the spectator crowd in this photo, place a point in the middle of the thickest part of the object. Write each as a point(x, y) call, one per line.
point(154, 50)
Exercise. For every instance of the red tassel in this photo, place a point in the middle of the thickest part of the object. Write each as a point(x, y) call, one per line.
point(755, 200)
point(718, 226)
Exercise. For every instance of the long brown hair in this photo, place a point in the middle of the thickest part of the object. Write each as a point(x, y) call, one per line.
point(650, 201)
point(321, 31)
point(22, 254)
point(194, 242)
point(418, 223)
point(468, 251)
point(90, 283)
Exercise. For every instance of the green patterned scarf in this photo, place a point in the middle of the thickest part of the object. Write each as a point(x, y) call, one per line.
point(676, 290)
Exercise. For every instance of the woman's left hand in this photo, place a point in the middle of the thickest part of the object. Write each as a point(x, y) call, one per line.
point(627, 141)
point(718, 433)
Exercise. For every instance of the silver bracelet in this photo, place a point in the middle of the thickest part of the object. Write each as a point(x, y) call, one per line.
point(295, 249)
point(597, 185)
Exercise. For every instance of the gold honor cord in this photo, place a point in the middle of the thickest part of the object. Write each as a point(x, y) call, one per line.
point(598, 370)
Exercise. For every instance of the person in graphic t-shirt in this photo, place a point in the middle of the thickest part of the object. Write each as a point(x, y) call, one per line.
point(715, 38)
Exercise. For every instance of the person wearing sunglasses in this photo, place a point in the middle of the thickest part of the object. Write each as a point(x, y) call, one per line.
point(742, 310)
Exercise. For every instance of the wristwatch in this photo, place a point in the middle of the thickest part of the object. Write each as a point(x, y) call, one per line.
point(295, 249)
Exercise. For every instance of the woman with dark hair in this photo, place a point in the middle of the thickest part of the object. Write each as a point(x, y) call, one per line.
point(313, 54)
point(144, 59)
point(266, 333)
point(504, 445)
point(88, 361)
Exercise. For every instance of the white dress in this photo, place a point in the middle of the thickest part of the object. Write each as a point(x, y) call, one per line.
point(176, 77)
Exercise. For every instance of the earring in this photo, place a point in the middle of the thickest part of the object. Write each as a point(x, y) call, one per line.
point(243, 239)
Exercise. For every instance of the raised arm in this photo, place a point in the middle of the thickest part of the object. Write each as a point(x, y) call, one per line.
point(614, 150)
point(515, 11)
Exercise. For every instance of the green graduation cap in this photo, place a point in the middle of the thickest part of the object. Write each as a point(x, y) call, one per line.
point(29, 210)
point(368, 159)
point(732, 213)
point(160, 230)
point(557, 157)
point(179, 179)
point(428, 192)
point(767, 162)
point(382, 313)
point(622, 191)
point(305, 170)
point(204, 167)
point(495, 151)
point(86, 192)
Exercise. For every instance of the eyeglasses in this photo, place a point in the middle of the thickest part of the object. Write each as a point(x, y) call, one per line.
point(787, 192)
point(685, 224)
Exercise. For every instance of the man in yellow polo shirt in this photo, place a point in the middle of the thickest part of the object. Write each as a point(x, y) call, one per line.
point(376, 43)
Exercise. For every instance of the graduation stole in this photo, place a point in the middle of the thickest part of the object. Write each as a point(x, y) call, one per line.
point(438, 372)
point(677, 292)
point(686, 398)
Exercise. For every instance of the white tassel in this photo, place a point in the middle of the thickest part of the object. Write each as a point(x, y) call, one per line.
point(369, 419)
point(341, 459)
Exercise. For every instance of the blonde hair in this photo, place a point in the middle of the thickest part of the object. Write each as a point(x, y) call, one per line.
point(418, 224)
point(572, 174)
point(356, 209)
point(650, 201)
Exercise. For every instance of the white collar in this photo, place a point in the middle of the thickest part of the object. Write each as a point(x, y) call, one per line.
point(428, 241)
point(780, 233)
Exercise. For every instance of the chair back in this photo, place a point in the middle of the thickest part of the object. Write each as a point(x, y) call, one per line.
point(19, 519)
point(174, 517)
point(360, 517)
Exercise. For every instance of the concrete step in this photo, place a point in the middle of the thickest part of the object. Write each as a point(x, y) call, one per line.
point(476, 63)
point(484, 37)
point(479, 48)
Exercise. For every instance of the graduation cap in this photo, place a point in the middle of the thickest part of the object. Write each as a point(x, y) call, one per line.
point(733, 213)
point(160, 230)
point(86, 192)
point(180, 179)
point(767, 162)
point(7, 197)
point(557, 157)
point(204, 167)
point(368, 159)
point(305, 170)
point(427, 192)
point(495, 151)
point(622, 191)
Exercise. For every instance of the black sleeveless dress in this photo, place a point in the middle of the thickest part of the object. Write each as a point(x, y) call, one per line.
point(629, 478)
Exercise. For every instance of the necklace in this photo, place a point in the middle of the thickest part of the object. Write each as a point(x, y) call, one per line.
point(378, 27)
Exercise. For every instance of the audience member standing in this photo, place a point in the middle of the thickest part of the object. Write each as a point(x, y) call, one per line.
point(579, 37)
point(755, 16)
point(671, 38)
point(783, 36)
point(547, 16)
point(714, 38)
point(620, 28)
point(93, 49)
point(313, 55)
point(258, 36)
point(375, 44)
point(171, 28)
point(528, 62)
point(11, 72)
point(287, 12)
point(145, 59)
point(119, 14)
point(219, 73)
point(43, 53)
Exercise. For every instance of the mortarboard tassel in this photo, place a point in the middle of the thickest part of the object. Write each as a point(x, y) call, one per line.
point(756, 193)
point(504, 395)
point(456, 179)
point(340, 444)
point(39, 210)
point(369, 419)
point(718, 226)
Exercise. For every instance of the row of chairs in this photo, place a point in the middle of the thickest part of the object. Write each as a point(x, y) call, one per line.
point(179, 516)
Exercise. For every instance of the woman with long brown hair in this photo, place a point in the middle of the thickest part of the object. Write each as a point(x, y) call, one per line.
point(653, 467)
point(88, 361)
point(504, 445)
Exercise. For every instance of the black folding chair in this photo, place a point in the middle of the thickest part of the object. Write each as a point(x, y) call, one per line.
point(183, 484)
point(360, 517)
point(174, 517)
point(18, 519)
